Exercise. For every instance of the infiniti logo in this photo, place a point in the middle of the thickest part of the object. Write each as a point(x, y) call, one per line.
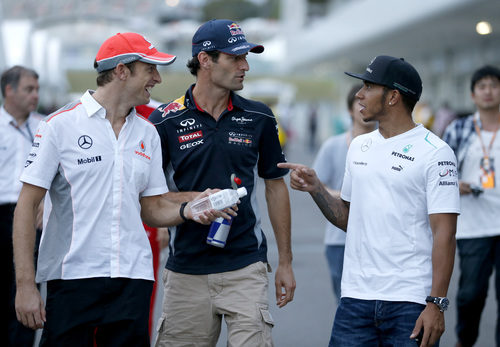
point(232, 39)
point(85, 141)
point(207, 43)
point(187, 122)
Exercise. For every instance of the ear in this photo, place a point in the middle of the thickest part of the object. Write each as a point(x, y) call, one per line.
point(121, 72)
point(9, 90)
point(393, 97)
point(204, 60)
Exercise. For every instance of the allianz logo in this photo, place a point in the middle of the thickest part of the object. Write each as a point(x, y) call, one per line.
point(89, 160)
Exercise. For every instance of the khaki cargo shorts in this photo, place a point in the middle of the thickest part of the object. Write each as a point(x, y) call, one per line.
point(193, 307)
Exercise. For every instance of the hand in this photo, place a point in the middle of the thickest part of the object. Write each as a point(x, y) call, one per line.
point(302, 177)
point(432, 321)
point(284, 281)
point(464, 188)
point(163, 237)
point(30, 310)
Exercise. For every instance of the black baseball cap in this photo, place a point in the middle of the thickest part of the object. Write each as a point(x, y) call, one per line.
point(394, 73)
point(222, 35)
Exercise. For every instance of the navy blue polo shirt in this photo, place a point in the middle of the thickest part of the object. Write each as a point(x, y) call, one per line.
point(199, 153)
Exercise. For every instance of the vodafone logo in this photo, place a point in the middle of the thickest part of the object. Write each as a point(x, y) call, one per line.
point(191, 136)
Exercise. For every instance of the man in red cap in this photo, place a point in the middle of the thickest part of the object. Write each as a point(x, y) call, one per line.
point(101, 164)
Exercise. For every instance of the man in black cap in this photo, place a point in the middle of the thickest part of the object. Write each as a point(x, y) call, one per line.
point(399, 204)
point(207, 135)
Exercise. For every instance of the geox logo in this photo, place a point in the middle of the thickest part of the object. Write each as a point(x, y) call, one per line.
point(89, 160)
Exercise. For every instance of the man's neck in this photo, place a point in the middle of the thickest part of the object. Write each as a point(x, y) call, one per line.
point(116, 108)
point(359, 129)
point(20, 117)
point(490, 118)
point(212, 100)
point(393, 126)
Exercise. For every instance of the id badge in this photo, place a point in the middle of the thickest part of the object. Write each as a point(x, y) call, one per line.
point(487, 173)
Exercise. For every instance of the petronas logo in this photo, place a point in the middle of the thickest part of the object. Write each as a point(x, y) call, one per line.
point(407, 148)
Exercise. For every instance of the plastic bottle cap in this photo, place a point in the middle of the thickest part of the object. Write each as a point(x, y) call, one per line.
point(241, 192)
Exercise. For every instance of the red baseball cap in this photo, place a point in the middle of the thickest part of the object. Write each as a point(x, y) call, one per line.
point(126, 48)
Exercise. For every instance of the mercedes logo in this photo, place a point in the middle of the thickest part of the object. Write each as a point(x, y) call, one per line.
point(85, 141)
point(186, 122)
point(366, 145)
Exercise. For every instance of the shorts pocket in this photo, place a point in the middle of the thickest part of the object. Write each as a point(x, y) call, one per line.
point(266, 316)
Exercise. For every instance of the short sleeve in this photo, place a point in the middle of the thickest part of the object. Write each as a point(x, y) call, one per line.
point(346, 190)
point(43, 161)
point(442, 182)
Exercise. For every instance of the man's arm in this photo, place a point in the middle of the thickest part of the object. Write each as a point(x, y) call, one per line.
point(443, 227)
point(278, 206)
point(30, 308)
point(162, 211)
point(332, 206)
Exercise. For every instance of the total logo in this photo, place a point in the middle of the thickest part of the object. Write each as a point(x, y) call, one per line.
point(190, 136)
point(191, 144)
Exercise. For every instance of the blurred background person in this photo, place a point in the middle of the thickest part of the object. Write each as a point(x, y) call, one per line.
point(476, 143)
point(18, 124)
point(312, 125)
point(330, 166)
point(444, 116)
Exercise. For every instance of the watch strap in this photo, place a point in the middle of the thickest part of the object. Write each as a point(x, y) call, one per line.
point(181, 211)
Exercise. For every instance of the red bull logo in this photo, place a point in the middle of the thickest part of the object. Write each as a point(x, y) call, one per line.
point(175, 105)
point(235, 29)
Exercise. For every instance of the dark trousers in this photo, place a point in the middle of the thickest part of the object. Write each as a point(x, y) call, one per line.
point(107, 311)
point(477, 258)
point(13, 332)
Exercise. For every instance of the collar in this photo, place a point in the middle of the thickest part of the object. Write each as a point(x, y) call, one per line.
point(93, 108)
point(6, 118)
point(191, 102)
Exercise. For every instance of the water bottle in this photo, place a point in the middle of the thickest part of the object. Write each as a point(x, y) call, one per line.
point(218, 201)
point(219, 229)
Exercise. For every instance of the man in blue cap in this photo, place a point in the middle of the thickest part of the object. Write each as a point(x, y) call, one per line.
point(399, 204)
point(207, 135)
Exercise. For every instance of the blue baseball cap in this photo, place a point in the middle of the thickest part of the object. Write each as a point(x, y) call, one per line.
point(394, 73)
point(223, 35)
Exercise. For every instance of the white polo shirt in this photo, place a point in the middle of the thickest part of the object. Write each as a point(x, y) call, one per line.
point(95, 181)
point(393, 186)
point(15, 144)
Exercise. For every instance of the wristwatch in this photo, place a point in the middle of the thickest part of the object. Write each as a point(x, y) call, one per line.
point(441, 302)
